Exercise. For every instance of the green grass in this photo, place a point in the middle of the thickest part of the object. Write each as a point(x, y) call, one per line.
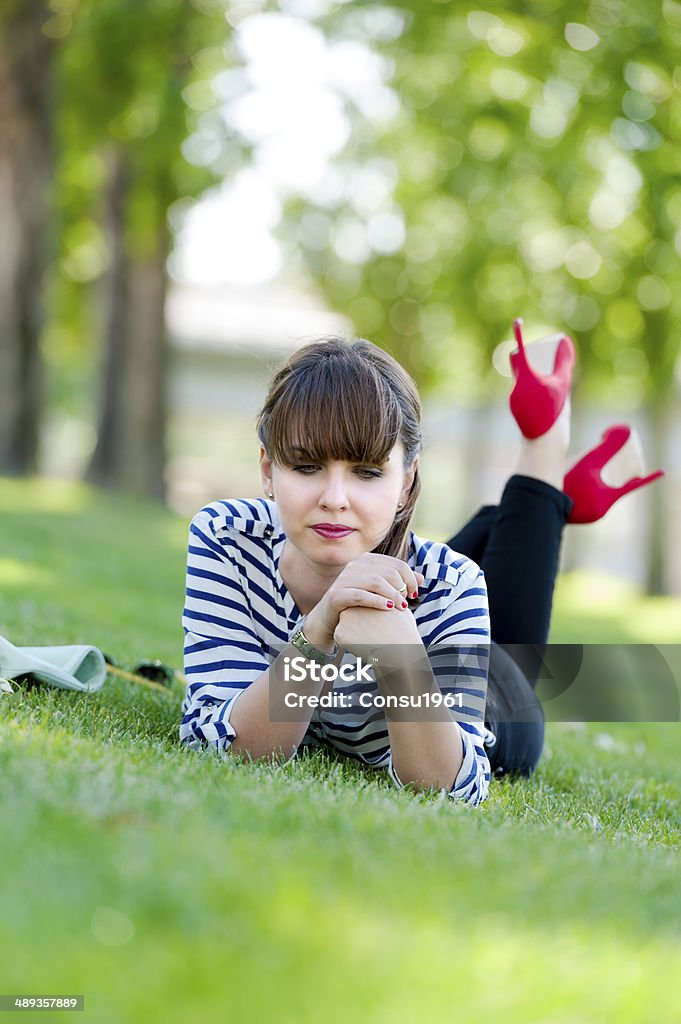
point(173, 885)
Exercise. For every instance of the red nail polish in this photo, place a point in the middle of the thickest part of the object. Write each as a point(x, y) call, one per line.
point(390, 604)
point(404, 604)
point(415, 595)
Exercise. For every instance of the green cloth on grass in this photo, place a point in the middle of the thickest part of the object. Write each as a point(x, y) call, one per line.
point(72, 667)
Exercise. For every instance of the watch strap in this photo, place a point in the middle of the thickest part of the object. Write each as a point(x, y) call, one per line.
point(300, 641)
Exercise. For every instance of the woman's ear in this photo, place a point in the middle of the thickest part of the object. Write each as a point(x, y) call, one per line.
point(266, 472)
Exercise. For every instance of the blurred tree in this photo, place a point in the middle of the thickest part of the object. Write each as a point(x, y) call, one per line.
point(26, 86)
point(114, 87)
point(131, 77)
point(531, 166)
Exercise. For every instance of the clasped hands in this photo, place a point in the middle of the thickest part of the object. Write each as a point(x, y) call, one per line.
point(364, 606)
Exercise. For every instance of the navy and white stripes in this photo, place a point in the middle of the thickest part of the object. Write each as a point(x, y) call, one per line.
point(239, 614)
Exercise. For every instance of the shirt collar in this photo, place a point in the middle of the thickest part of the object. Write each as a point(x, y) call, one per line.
point(256, 518)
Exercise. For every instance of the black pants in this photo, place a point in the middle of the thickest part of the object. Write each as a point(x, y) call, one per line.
point(517, 545)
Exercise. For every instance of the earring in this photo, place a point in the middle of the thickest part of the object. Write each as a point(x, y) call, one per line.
point(400, 506)
point(271, 495)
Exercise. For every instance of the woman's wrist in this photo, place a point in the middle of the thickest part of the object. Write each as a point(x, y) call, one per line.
point(316, 633)
point(312, 651)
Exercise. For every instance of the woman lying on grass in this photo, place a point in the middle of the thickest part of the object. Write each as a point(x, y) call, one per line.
point(323, 578)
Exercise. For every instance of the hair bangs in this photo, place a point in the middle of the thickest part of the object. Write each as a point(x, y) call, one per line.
point(337, 409)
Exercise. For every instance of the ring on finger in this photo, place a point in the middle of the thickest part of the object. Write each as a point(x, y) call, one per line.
point(403, 589)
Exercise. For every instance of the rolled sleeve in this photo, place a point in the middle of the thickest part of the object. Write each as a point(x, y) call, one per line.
point(208, 725)
point(472, 781)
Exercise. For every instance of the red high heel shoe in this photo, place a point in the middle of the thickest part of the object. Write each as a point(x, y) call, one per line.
point(584, 484)
point(536, 400)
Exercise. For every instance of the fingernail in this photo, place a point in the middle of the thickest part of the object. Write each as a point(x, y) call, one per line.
point(414, 595)
point(404, 604)
point(390, 604)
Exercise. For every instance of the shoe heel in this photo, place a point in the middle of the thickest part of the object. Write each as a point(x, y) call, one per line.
point(585, 483)
point(542, 356)
point(538, 398)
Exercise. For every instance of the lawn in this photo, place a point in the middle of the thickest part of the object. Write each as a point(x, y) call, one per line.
point(170, 885)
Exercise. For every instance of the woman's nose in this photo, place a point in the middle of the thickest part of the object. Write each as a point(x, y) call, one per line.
point(334, 491)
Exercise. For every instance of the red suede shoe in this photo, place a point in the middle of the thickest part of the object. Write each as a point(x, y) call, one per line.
point(585, 485)
point(537, 400)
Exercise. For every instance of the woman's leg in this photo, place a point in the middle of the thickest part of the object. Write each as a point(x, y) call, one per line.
point(471, 541)
point(520, 559)
point(521, 565)
point(514, 714)
point(517, 545)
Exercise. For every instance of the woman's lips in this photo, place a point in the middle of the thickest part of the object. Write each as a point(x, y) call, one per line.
point(333, 532)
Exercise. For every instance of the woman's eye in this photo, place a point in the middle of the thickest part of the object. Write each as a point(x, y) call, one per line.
point(368, 474)
point(305, 469)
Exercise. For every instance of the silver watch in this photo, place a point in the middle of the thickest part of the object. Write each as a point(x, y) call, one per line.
point(300, 641)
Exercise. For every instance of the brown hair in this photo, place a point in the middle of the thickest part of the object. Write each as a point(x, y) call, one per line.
point(348, 401)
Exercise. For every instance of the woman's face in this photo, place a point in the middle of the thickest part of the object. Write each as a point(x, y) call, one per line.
point(335, 511)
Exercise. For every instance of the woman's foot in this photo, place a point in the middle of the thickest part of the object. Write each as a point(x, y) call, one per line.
point(544, 458)
point(604, 475)
point(543, 375)
point(543, 454)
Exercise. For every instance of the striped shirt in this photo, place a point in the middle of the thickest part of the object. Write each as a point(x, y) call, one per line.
point(239, 615)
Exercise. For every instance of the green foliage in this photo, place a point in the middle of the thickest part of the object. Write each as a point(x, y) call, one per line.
point(125, 67)
point(535, 161)
point(129, 76)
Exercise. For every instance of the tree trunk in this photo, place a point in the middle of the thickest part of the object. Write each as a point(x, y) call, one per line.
point(658, 528)
point(25, 170)
point(106, 464)
point(145, 403)
point(130, 451)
